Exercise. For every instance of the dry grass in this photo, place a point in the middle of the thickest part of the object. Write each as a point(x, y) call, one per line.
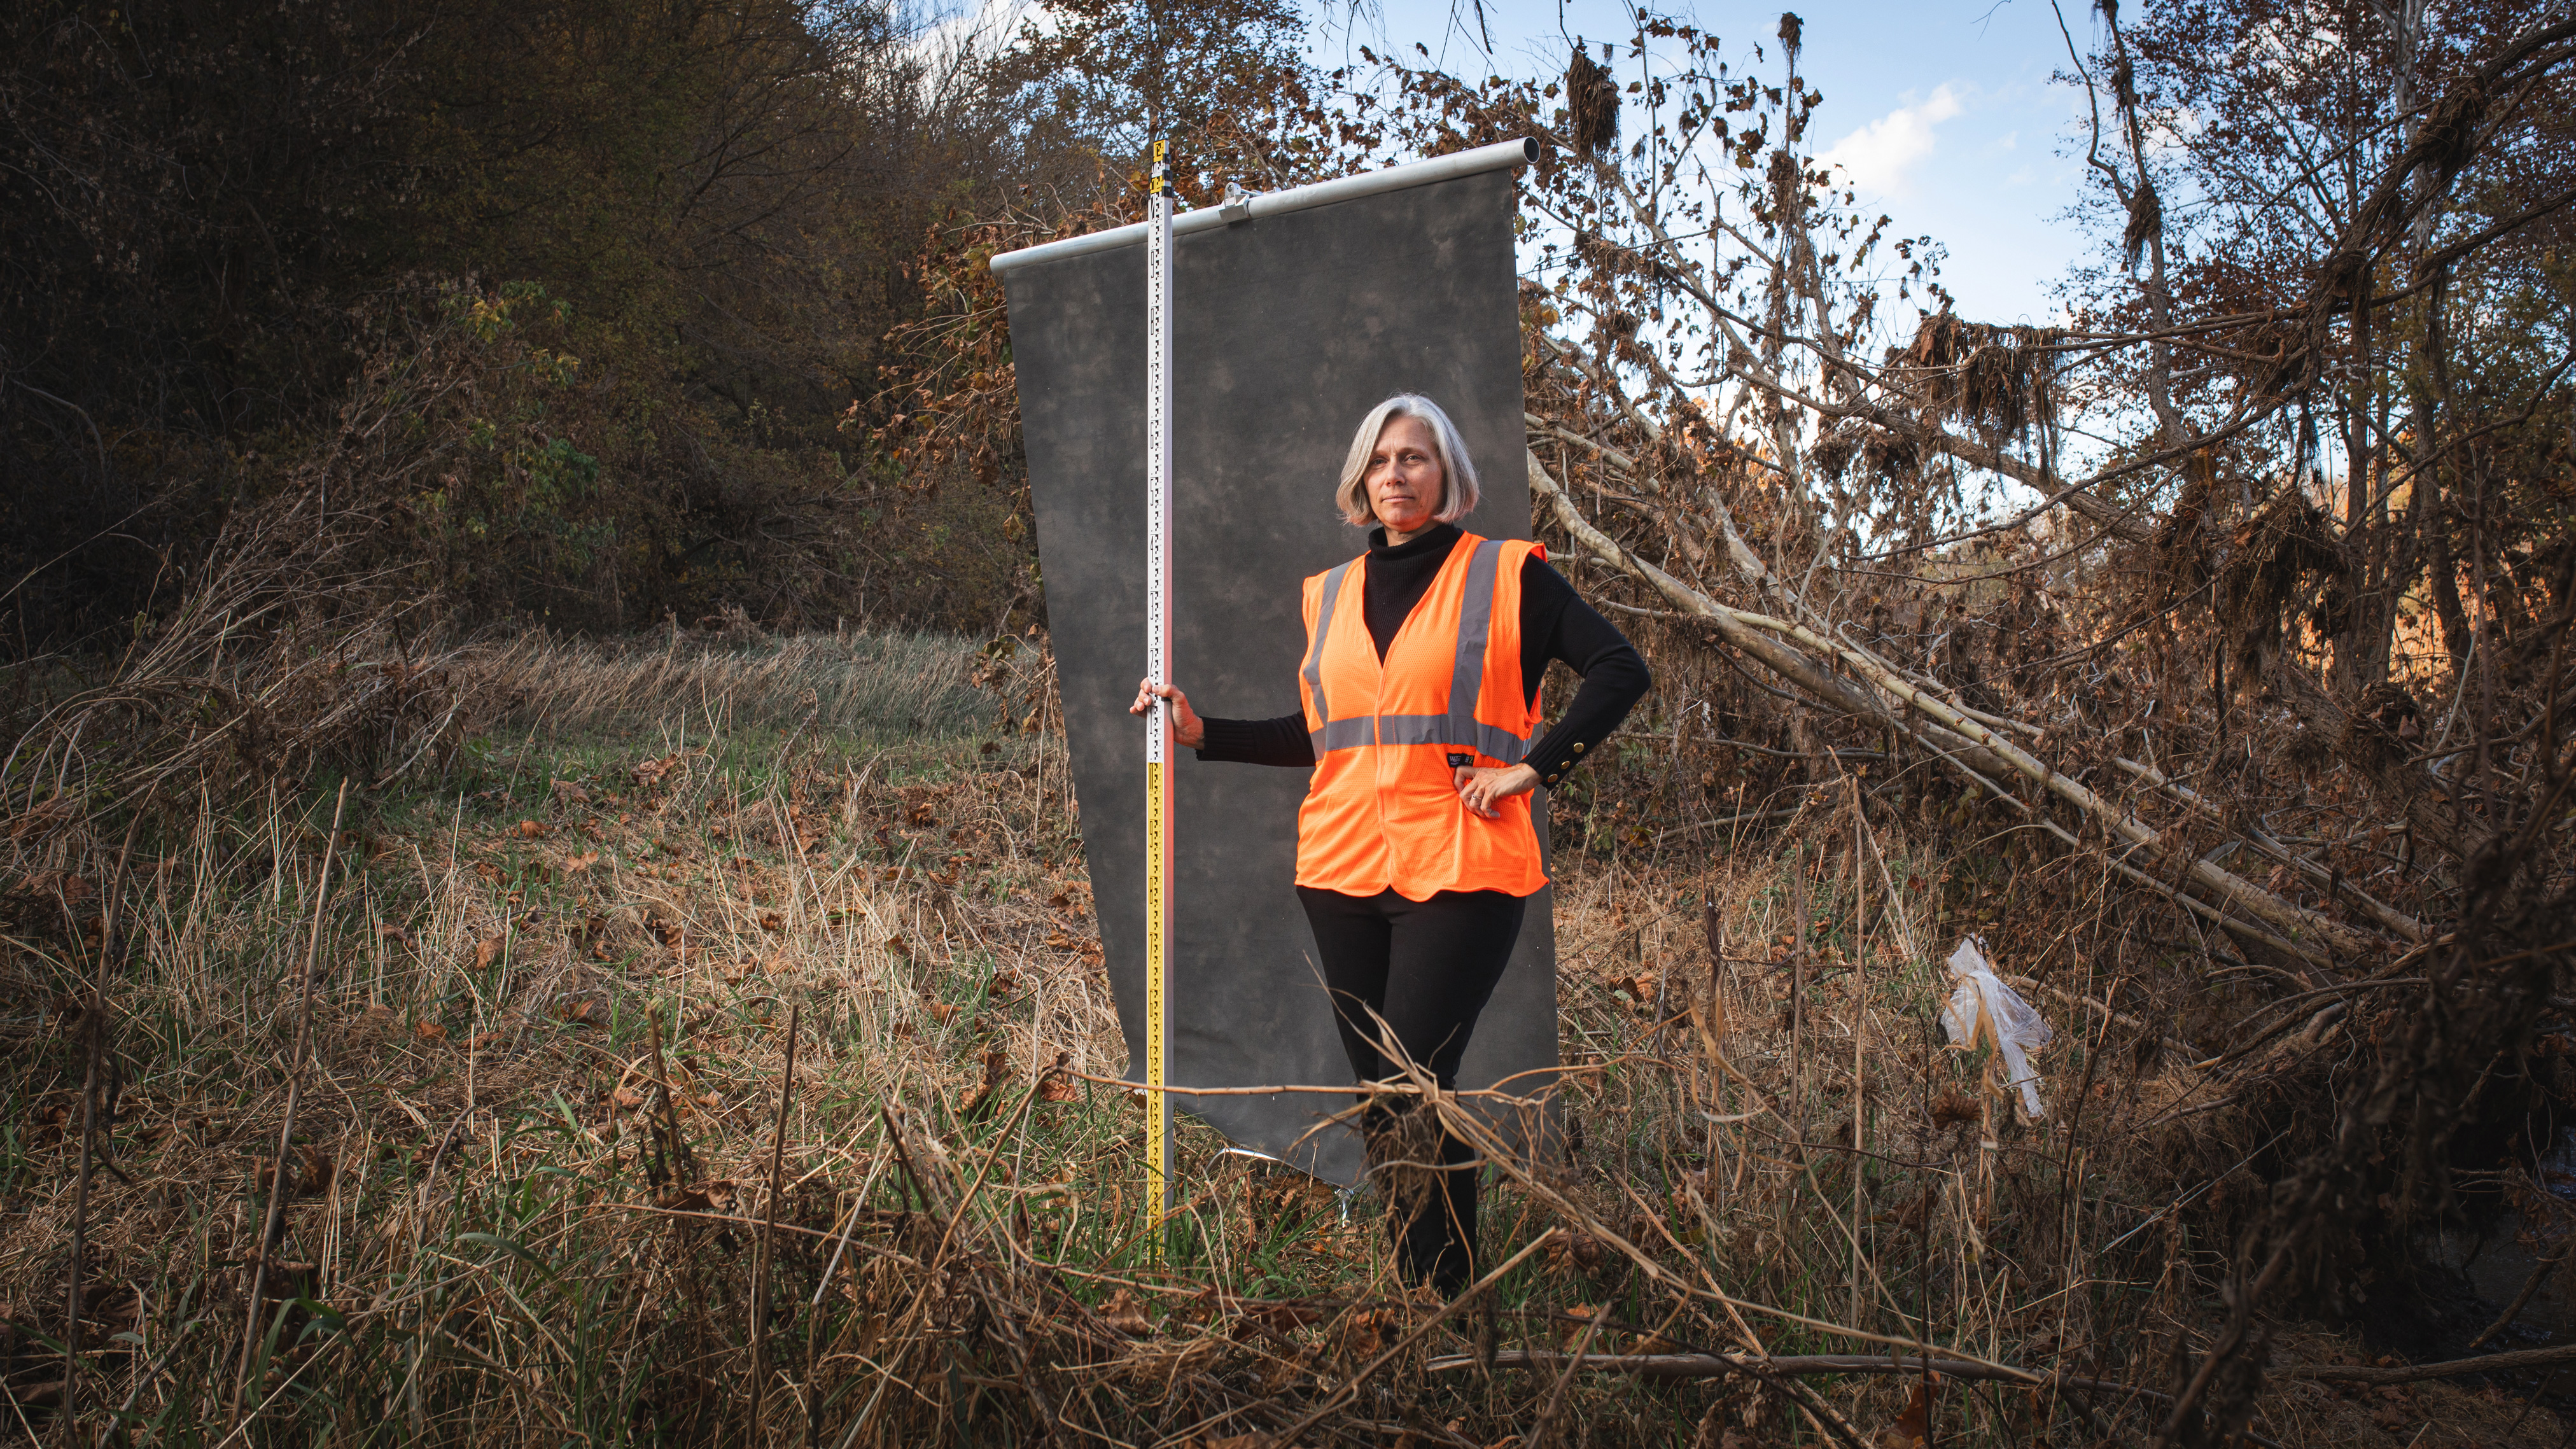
point(529, 1175)
point(853, 687)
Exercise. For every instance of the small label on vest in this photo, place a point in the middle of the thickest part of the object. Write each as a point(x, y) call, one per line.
point(1460, 759)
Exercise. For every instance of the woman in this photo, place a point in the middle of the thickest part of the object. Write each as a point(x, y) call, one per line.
point(1415, 852)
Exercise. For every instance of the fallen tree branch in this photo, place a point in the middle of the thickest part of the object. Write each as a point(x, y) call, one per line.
point(2491, 1363)
point(1764, 637)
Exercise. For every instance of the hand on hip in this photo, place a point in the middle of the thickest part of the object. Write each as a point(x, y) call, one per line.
point(1484, 790)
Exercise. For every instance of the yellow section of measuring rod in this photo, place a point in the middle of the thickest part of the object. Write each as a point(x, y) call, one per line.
point(1158, 1118)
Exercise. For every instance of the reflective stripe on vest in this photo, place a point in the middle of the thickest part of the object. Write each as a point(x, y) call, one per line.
point(1459, 726)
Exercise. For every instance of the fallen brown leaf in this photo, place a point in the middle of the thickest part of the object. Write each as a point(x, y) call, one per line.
point(534, 830)
point(1913, 1426)
point(1122, 1314)
point(715, 1195)
point(1580, 1251)
point(1366, 1333)
point(1954, 1106)
point(1281, 1317)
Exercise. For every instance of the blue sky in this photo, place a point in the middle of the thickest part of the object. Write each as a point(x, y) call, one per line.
point(1942, 110)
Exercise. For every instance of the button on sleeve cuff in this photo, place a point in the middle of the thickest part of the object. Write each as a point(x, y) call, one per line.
point(1554, 758)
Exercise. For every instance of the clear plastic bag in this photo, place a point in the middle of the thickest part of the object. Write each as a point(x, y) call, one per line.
point(1983, 1007)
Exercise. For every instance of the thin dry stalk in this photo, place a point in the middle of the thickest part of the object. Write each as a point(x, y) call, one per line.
point(678, 1165)
point(267, 1244)
point(1799, 951)
point(1544, 1425)
point(1860, 1042)
point(769, 1229)
point(94, 1029)
point(95, 1040)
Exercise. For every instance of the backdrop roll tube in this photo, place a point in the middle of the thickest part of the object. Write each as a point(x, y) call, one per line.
point(1287, 328)
point(1501, 156)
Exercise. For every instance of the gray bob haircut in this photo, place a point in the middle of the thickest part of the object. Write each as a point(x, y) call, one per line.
point(1458, 492)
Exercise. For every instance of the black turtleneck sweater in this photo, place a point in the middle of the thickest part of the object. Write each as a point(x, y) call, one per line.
point(1555, 624)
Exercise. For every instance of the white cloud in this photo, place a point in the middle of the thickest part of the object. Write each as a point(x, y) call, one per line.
point(957, 28)
point(1881, 155)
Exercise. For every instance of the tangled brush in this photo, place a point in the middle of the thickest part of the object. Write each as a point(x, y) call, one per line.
point(1998, 380)
point(1592, 101)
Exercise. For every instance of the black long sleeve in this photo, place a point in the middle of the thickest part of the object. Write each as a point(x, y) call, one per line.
point(1614, 673)
point(1281, 741)
point(1555, 624)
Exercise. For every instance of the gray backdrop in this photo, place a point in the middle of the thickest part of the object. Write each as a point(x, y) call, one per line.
point(1287, 329)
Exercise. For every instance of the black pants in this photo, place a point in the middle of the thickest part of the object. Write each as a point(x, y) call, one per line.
point(1427, 968)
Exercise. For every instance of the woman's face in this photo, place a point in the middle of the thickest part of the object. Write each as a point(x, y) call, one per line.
point(1404, 483)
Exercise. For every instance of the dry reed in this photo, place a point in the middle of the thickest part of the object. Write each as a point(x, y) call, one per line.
point(510, 1211)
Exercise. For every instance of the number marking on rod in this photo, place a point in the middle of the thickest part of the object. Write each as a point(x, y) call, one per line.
point(1158, 667)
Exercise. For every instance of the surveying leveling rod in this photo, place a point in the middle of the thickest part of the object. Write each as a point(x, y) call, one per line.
point(1158, 668)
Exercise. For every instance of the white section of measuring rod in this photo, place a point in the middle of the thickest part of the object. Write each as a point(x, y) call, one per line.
point(1158, 470)
point(1296, 198)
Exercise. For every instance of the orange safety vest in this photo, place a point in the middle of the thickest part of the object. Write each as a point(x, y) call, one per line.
point(1383, 810)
